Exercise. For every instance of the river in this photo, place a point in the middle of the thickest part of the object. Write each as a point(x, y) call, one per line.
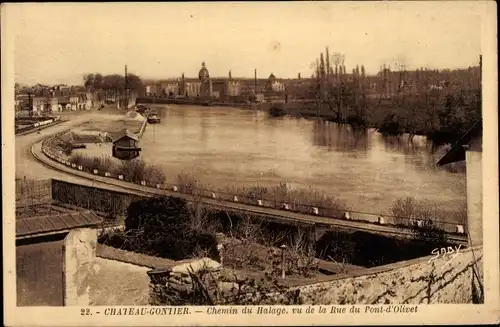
point(225, 146)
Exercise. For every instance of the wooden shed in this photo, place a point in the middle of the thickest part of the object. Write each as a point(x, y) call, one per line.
point(126, 145)
point(54, 257)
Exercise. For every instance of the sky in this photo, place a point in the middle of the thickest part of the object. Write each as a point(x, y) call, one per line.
point(60, 42)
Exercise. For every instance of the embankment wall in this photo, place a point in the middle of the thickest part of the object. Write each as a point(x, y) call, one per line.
point(419, 281)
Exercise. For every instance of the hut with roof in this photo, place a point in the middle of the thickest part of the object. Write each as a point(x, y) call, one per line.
point(126, 145)
point(55, 253)
point(469, 149)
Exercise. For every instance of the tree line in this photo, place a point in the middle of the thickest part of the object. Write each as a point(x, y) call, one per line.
point(440, 113)
point(114, 83)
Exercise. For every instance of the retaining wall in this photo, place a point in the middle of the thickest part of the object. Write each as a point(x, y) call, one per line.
point(418, 281)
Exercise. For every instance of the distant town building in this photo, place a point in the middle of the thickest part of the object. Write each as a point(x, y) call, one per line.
point(77, 101)
point(63, 103)
point(53, 104)
point(205, 82)
point(274, 85)
point(192, 88)
point(40, 104)
point(226, 88)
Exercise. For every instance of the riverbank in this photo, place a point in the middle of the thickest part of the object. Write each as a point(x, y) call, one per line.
point(387, 116)
point(114, 124)
point(306, 201)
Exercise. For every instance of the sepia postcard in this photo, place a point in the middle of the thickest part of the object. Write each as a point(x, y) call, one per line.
point(250, 163)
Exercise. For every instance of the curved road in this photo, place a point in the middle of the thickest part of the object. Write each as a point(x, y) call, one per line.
point(31, 168)
point(32, 163)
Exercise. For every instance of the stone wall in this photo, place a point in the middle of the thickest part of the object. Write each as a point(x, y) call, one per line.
point(79, 258)
point(419, 281)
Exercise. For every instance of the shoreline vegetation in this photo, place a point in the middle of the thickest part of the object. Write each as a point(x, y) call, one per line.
point(298, 200)
point(405, 212)
point(440, 118)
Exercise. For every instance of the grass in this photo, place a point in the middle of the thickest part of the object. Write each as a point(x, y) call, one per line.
point(133, 170)
point(427, 221)
point(300, 200)
point(408, 210)
point(113, 126)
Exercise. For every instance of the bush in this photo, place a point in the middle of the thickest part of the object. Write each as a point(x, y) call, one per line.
point(133, 170)
point(103, 163)
point(408, 212)
point(356, 120)
point(157, 226)
point(391, 125)
point(154, 174)
point(277, 110)
point(188, 184)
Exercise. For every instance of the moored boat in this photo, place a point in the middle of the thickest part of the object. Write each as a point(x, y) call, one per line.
point(154, 118)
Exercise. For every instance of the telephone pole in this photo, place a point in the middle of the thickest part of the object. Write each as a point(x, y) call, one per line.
point(126, 89)
point(481, 72)
point(255, 80)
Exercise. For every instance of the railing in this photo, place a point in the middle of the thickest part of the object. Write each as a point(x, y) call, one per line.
point(32, 190)
point(38, 125)
point(269, 201)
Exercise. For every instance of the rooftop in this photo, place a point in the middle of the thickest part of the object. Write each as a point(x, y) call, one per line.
point(54, 222)
point(457, 151)
point(125, 133)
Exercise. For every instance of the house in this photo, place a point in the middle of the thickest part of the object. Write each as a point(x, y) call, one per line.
point(469, 148)
point(55, 253)
point(226, 88)
point(77, 101)
point(89, 100)
point(40, 104)
point(274, 85)
point(63, 103)
point(22, 101)
point(125, 145)
point(192, 88)
point(171, 88)
point(53, 104)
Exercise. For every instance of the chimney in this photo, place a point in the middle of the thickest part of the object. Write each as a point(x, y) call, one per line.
point(255, 80)
point(481, 74)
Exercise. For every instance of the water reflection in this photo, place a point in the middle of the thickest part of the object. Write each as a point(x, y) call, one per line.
point(341, 138)
point(227, 146)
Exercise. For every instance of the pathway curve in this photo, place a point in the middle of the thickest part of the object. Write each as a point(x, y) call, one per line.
point(32, 163)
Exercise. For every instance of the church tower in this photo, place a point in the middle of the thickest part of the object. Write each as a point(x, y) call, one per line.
point(206, 83)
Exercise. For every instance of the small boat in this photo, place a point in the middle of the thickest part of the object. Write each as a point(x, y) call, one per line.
point(79, 146)
point(153, 118)
point(141, 109)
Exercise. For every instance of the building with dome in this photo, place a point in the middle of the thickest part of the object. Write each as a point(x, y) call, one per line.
point(274, 85)
point(206, 83)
